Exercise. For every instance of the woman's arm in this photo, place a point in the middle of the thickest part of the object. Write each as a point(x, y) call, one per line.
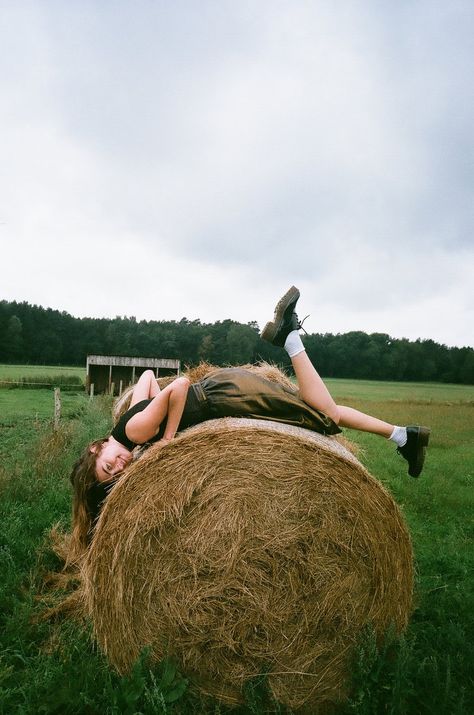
point(146, 388)
point(169, 402)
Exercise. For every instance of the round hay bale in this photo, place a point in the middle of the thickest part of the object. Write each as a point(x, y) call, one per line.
point(247, 547)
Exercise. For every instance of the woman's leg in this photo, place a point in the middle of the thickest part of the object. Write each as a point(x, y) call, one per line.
point(283, 331)
point(314, 392)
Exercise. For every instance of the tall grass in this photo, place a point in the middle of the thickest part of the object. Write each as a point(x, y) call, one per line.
point(54, 667)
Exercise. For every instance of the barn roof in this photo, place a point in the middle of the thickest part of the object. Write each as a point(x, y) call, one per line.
point(113, 360)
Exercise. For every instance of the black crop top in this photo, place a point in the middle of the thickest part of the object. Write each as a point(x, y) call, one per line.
point(118, 431)
point(193, 413)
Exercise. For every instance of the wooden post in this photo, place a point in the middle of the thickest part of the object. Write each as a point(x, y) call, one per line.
point(112, 388)
point(120, 387)
point(57, 407)
point(92, 391)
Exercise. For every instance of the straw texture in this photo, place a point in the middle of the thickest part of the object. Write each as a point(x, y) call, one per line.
point(246, 547)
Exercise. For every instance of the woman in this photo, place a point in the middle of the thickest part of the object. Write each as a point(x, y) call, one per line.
point(156, 415)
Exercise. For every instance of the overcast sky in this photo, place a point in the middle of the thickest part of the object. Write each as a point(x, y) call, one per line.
point(195, 158)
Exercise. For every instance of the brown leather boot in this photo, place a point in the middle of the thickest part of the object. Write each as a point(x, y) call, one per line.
point(284, 320)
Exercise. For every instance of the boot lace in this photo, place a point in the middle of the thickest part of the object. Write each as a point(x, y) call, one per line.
point(300, 324)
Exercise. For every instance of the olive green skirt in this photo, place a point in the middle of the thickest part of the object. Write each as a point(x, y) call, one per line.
point(236, 392)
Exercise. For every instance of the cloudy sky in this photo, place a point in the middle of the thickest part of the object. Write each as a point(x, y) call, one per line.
point(195, 158)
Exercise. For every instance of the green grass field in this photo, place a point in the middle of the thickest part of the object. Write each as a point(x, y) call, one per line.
point(50, 667)
point(369, 390)
point(37, 404)
point(14, 372)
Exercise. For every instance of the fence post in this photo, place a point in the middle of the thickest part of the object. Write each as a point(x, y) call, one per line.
point(92, 390)
point(121, 387)
point(57, 407)
point(112, 388)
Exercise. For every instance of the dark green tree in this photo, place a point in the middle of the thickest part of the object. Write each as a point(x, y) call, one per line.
point(37, 335)
point(13, 340)
point(241, 340)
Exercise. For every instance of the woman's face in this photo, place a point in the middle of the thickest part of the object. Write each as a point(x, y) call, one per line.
point(112, 458)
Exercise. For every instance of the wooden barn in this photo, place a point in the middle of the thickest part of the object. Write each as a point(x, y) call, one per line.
point(113, 373)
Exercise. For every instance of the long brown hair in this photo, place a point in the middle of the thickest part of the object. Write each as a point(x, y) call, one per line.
point(83, 478)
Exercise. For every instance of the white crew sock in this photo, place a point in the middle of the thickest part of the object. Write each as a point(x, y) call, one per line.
point(294, 344)
point(399, 436)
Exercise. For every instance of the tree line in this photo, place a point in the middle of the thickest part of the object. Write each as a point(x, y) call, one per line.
point(30, 334)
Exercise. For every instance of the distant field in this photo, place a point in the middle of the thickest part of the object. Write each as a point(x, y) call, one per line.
point(371, 390)
point(399, 391)
point(15, 372)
